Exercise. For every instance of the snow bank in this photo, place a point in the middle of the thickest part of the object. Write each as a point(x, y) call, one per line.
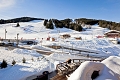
point(25, 51)
point(63, 57)
point(107, 74)
point(23, 71)
point(39, 47)
point(113, 63)
point(85, 70)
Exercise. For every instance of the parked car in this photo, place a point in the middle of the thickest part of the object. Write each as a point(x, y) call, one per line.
point(2, 44)
point(9, 44)
point(28, 42)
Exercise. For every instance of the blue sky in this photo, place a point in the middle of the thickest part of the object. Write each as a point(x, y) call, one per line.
point(61, 9)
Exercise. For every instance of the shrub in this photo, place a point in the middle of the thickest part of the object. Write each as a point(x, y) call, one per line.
point(23, 60)
point(38, 59)
point(13, 62)
point(4, 64)
point(32, 59)
point(17, 25)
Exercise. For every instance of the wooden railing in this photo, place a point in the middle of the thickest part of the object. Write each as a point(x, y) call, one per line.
point(66, 68)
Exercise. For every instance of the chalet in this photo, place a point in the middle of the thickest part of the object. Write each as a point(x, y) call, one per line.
point(64, 36)
point(48, 39)
point(78, 38)
point(52, 39)
point(99, 36)
point(112, 34)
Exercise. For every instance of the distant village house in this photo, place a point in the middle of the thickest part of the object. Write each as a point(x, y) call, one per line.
point(78, 38)
point(52, 39)
point(64, 36)
point(112, 34)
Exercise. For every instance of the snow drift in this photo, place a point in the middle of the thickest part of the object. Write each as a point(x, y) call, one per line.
point(113, 63)
point(86, 69)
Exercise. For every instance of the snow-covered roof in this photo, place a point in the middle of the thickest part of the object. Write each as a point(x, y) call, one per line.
point(113, 63)
point(108, 69)
point(112, 32)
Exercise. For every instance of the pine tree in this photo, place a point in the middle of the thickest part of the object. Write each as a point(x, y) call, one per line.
point(17, 25)
point(45, 22)
point(80, 28)
point(4, 64)
point(38, 59)
point(13, 62)
point(32, 59)
point(24, 60)
point(51, 24)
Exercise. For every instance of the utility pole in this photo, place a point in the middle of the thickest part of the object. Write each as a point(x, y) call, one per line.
point(72, 48)
point(17, 38)
point(5, 33)
point(62, 49)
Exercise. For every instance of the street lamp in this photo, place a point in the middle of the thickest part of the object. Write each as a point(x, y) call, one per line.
point(17, 38)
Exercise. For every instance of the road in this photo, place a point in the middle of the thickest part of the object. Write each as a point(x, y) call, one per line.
point(37, 50)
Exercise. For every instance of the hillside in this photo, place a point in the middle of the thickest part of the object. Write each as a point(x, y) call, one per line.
point(37, 31)
point(75, 24)
point(36, 63)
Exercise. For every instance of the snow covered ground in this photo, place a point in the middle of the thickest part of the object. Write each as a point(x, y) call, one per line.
point(36, 63)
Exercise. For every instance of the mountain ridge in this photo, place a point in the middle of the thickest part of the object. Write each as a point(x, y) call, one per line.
point(68, 23)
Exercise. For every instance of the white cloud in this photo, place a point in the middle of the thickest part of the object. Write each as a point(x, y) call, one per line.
point(6, 4)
